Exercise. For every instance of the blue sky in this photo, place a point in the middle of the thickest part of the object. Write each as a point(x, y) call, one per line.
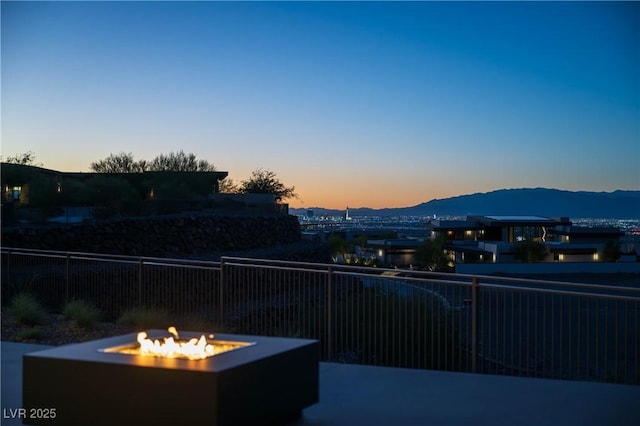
point(355, 104)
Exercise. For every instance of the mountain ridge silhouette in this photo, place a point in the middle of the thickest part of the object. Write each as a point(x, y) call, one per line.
point(619, 204)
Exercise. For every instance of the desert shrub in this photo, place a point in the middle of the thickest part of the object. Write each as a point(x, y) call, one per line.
point(612, 251)
point(26, 310)
point(529, 251)
point(31, 333)
point(83, 313)
point(145, 317)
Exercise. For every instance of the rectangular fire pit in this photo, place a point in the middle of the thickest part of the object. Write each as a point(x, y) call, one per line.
point(264, 380)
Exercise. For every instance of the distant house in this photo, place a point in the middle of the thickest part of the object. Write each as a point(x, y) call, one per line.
point(17, 179)
point(492, 239)
point(30, 186)
point(398, 252)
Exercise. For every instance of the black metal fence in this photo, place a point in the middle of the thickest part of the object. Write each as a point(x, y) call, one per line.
point(373, 316)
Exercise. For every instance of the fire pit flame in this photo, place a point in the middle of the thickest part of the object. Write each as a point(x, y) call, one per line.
point(174, 347)
point(170, 348)
point(173, 331)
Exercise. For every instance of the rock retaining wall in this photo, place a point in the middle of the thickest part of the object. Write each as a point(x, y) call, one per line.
point(177, 236)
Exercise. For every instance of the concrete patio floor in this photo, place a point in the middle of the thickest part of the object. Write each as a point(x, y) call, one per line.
point(364, 395)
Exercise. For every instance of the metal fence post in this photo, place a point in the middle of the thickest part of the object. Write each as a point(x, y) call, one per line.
point(67, 278)
point(140, 266)
point(221, 294)
point(8, 283)
point(329, 310)
point(474, 324)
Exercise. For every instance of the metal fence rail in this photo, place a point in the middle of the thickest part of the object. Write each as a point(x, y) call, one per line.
point(401, 318)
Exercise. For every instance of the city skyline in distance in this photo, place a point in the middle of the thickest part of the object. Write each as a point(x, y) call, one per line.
point(359, 104)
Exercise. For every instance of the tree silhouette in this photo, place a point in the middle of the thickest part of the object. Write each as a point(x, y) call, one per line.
point(529, 251)
point(611, 251)
point(119, 163)
point(26, 159)
point(228, 186)
point(430, 254)
point(180, 162)
point(172, 162)
point(338, 246)
point(266, 182)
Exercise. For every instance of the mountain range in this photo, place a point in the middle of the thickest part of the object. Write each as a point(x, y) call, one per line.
point(523, 201)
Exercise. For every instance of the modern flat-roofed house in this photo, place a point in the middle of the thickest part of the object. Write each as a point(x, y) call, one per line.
point(17, 178)
point(491, 239)
point(31, 186)
point(398, 251)
point(582, 244)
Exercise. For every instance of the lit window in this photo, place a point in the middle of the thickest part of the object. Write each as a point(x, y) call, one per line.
point(15, 192)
